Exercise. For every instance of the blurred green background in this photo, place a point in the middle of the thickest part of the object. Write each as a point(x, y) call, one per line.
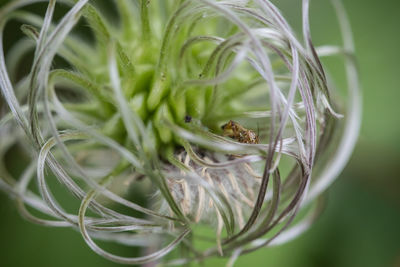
point(361, 223)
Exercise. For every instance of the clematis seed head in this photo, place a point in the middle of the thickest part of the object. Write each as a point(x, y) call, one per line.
point(173, 122)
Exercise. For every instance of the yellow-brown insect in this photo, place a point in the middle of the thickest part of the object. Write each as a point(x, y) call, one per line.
point(236, 131)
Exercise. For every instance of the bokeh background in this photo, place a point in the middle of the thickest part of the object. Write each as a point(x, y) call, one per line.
point(361, 223)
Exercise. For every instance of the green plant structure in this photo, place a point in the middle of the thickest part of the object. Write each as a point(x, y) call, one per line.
point(187, 128)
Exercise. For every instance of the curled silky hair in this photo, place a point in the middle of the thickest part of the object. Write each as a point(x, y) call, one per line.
point(136, 110)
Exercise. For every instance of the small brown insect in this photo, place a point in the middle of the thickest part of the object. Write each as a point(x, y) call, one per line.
point(188, 118)
point(236, 131)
